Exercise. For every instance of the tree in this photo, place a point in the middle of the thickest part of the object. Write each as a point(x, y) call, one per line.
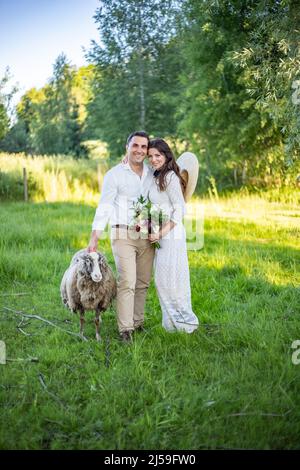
point(235, 59)
point(5, 102)
point(52, 118)
point(130, 88)
point(270, 64)
point(53, 129)
point(4, 120)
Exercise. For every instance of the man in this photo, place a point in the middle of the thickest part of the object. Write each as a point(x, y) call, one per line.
point(133, 254)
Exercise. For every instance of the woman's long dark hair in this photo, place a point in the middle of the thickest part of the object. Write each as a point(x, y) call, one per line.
point(170, 164)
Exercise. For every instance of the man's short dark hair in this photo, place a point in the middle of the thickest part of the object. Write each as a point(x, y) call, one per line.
point(139, 134)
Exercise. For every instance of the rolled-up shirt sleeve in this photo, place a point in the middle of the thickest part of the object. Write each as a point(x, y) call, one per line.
point(174, 192)
point(106, 203)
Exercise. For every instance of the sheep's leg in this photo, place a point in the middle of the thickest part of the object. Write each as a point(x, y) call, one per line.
point(82, 321)
point(97, 324)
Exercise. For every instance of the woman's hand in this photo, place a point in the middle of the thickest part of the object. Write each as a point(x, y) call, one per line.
point(154, 237)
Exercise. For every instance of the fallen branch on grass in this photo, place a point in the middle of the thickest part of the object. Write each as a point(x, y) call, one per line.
point(37, 317)
point(232, 415)
point(17, 293)
point(43, 383)
point(29, 359)
point(259, 414)
point(107, 353)
point(24, 332)
point(21, 330)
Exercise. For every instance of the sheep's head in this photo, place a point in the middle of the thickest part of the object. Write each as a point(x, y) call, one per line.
point(90, 264)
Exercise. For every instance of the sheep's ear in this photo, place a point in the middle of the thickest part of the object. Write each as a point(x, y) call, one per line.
point(102, 262)
point(84, 260)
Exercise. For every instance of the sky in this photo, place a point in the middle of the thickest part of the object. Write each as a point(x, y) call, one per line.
point(34, 32)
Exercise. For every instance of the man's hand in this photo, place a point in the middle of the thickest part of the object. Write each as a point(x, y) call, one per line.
point(93, 244)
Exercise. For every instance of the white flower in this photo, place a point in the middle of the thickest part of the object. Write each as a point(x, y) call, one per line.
point(139, 219)
point(154, 228)
point(144, 230)
point(138, 207)
point(155, 208)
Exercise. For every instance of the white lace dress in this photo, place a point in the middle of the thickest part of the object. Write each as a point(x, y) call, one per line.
point(171, 269)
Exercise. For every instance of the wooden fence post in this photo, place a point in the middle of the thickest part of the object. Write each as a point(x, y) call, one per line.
point(25, 185)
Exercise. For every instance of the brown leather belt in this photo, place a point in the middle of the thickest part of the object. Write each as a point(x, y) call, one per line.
point(120, 226)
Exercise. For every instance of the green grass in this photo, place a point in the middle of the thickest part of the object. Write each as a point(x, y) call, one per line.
point(231, 384)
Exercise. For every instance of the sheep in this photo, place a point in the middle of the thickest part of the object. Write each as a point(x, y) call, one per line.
point(88, 284)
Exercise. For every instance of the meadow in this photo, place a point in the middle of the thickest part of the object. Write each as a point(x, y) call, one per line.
point(230, 385)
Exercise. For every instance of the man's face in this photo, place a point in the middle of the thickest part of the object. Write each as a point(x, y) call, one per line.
point(137, 149)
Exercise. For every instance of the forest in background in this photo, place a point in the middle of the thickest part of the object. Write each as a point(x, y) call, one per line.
point(219, 78)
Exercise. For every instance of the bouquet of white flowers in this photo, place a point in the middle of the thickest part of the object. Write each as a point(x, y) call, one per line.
point(148, 218)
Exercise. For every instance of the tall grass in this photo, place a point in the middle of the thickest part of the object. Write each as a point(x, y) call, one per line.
point(63, 178)
point(51, 178)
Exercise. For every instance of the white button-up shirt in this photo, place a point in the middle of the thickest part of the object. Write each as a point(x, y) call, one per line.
point(121, 188)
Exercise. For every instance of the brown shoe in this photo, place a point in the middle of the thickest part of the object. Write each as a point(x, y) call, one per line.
point(126, 336)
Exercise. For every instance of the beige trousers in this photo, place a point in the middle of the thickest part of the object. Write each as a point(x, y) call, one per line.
point(134, 260)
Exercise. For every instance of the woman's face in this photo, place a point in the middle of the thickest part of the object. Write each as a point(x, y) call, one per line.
point(156, 159)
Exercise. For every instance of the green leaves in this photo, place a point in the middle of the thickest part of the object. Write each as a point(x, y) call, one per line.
point(5, 101)
point(137, 64)
point(51, 120)
point(243, 59)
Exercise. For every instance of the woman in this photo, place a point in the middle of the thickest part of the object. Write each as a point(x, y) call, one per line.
point(171, 269)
